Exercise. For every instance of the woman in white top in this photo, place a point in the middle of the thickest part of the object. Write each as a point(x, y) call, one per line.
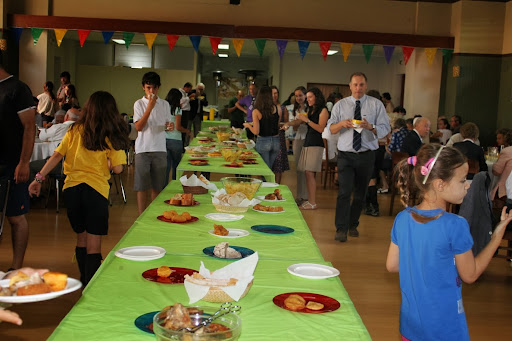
point(46, 104)
point(443, 131)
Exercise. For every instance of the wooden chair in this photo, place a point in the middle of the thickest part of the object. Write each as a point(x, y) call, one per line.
point(507, 237)
point(58, 175)
point(117, 181)
point(396, 157)
point(329, 168)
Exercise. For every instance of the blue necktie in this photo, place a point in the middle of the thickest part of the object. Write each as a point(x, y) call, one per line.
point(356, 144)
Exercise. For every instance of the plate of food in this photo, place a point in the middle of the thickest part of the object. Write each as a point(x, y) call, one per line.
point(167, 274)
point(141, 253)
point(145, 322)
point(22, 288)
point(185, 199)
point(313, 271)
point(304, 302)
point(234, 164)
point(205, 140)
point(268, 209)
point(274, 196)
point(249, 162)
point(221, 231)
point(225, 251)
point(223, 217)
point(269, 184)
point(215, 154)
point(272, 229)
point(198, 162)
point(174, 217)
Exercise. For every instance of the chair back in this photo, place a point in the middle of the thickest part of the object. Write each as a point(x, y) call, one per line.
point(474, 166)
point(396, 157)
point(326, 149)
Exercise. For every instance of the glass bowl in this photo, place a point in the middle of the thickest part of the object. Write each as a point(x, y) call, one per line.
point(231, 320)
point(223, 136)
point(230, 154)
point(247, 186)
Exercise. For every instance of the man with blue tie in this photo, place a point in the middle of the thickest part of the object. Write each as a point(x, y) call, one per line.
point(361, 120)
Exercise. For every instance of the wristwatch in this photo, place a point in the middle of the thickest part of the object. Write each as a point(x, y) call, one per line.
point(308, 121)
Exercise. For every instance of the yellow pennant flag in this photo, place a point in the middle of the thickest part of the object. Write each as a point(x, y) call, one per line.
point(345, 49)
point(59, 34)
point(238, 43)
point(150, 39)
point(430, 53)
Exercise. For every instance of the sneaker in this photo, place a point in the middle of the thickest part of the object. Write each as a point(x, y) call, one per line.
point(341, 236)
point(382, 191)
point(353, 232)
point(368, 209)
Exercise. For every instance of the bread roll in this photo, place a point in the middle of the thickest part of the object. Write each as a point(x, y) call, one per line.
point(314, 305)
point(295, 302)
point(164, 271)
point(56, 280)
point(34, 289)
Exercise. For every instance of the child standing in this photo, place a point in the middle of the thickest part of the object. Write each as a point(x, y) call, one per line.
point(431, 248)
point(93, 147)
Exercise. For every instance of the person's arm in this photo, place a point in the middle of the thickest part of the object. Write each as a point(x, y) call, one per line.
point(382, 126)
point(239, 106)
point(335, 123)
point(286, 115)
point(470, 267)
point(233, 108)
point(28, 120)
point(10, 316)
point(141, 123)
point(255, 127)
point(35, 187)
point(204, 101)
point(392, 261)
point(179, 127)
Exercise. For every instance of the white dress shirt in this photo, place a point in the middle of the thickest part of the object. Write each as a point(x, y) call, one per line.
point(56, 132)
point(184, 101)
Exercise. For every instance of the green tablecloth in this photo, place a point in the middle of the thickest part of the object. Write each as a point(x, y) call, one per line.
point(207, 123)
point(118, 294)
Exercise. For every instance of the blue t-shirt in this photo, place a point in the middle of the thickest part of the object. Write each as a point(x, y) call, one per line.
point(175, 134)
point(431, 306)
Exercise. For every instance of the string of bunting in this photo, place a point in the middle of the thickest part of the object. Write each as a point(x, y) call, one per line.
point(325, 46)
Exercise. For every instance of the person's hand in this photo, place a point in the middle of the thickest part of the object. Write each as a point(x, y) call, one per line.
point(21, 172)
point(189, 133)
point(152, 101)
point(170, 126)
point(192, 96)
point(27, 271)
point(34, 189)
point(247, 125)
point(505, 219)
point(285, 127)
point(302, 117)
point(345, 124)
point(10, 316)
point(365, 125)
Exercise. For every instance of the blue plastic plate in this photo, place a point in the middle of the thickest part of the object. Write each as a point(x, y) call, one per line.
point(243, 250)
point(272, 229)
point(143, 321)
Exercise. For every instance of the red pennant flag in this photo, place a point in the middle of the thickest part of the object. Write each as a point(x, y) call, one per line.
point(82, 35)
point(172, 40)
point(215, 41)
point(325, 46)
point(407, 51)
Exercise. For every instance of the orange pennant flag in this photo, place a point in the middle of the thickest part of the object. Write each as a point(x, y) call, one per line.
point(82, 36)
point(345, 49)
point(150, 39)
point(237, 44)
point(431, 53)
point(59, 35)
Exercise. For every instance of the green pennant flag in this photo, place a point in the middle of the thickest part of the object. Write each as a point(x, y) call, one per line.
point(260, 45)
point(447, 55)
point(36, 33)
point(368, 49)
point(128, 37)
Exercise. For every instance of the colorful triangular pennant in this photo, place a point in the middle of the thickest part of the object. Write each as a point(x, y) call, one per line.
point(150, 39)
point(128, 37)
point(59, 35)
point(172, 39)
point(388, 52)
point(281, 46)
point(195, 42)
point(447, 55)
point(345, 49)
point(17, 31)
point(303, 47)
point(260, 45)
point(107, 35)
point(82, 36)
point(407, 51)
point(325, 46)
point(214, 42)
point(431, 53)
point(36, 33)
point(368, 50)
point(237, 44)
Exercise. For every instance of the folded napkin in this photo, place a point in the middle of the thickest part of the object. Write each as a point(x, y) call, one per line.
point(195, 181)
point(245, 203)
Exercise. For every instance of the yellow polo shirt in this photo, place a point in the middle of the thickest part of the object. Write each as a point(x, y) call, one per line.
point(86, 166)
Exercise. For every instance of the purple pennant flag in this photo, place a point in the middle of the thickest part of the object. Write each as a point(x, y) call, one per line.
point(388, 52)
point(107, 35)
point(303, 47)
point(195, 42)
point(17, 31)
point(281, 46)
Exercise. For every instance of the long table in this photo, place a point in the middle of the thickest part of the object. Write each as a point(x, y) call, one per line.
point(207, 123)
point(118, 294)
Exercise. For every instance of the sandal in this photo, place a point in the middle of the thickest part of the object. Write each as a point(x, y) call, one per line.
point(306, 205)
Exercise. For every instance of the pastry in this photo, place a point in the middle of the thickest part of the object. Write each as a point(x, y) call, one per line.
point(314, 305)
point(56, 280)
point(176, 199)
point(220, 230)
point(295, 302)
point(34, 289)
point(164, 271)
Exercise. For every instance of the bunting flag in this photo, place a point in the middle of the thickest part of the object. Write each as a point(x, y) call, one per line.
point(345, 49)
point(195, 42)
point(447, 55)
point(303, 47)
point(260, 45)
point(325, 46)
point(407, 51)
point(281, 46)
point(214, 42)
point(17, 31)
point(59, 35)
point(431, 53)
point(128, 37)
point(171, 39)
point(237, 44)
point(150, 39)
point(107, 35)
point(388, 52)
point(82, 35)
point(368, 50)
point(36, 33)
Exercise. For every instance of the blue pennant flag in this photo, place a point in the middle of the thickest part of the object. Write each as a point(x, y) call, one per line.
point(17, 31)
point(107, 35)
point(303, 47)
point(195, 42)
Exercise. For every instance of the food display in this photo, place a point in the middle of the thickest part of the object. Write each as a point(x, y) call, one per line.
point(222, 250)
point(247, 186)
point(249, 162)
point(230, 154)
point(198, 162)
point(185, 199)
point(164, 271)
point(263, 208)
point(296, 302)
point(198, 279)
point(204, 140)
point(174, 217)
point(215, 154)
point(167, 274)
point(220, 230)
point(21, 284)
point(276, 195)
point(223, 136)
point(235, 164)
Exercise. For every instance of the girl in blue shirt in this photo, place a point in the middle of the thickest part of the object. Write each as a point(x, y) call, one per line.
point(431, 248)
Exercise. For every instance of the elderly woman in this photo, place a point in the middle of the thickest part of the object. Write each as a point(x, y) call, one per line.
point(502, 169)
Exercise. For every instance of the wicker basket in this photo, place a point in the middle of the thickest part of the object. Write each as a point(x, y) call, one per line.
point(194, 189)
point(216, 294)
point(230, 209)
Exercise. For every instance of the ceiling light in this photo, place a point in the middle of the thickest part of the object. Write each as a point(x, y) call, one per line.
point(223, 47)
point(331, 52)
point(119, 41)
point(223, 55)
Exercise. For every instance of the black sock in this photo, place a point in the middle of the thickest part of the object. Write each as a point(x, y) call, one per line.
point(372, 195)
point(80, 254)
point(92, 264)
